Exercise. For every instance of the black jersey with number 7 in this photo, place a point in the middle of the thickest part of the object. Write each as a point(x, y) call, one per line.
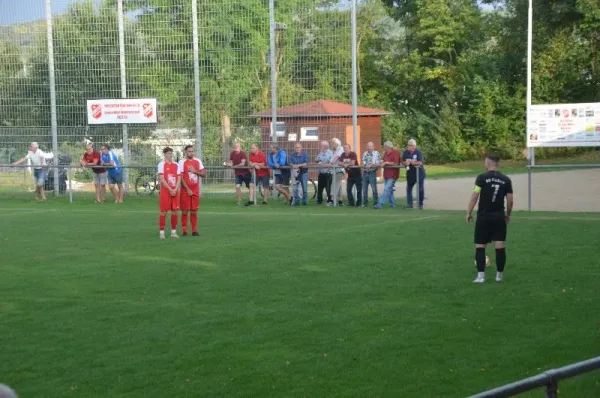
point(492, 187)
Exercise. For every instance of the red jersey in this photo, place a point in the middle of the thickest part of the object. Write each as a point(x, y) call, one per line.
point(91, 158)
point(392, 156)
point(260, 157)
point(191, 179)
point(170, 171)
point(236, 160)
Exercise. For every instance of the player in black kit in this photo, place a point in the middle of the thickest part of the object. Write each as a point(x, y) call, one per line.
point(490, 190)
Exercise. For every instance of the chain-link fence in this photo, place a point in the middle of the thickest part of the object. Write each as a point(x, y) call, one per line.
point(221, 74)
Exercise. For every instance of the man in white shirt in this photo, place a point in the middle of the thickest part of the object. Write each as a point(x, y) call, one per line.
point(37, 161)
point(338, 179)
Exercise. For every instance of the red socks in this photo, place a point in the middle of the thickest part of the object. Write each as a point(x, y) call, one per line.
point(194, 217)
point(173, 221)
point(161, 222)
point(184, 221)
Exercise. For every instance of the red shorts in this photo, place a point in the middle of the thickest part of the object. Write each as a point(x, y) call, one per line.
point(188, 202)
point(168, 202)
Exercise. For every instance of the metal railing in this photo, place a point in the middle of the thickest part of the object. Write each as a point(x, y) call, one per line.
point(69, 171)
point(548, 379)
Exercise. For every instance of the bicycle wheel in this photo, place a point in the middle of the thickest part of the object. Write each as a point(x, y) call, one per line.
point(259, 188)
point(145, 185)
point(312, 187)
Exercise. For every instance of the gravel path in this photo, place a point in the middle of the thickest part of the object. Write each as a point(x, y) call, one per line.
point(568, 191)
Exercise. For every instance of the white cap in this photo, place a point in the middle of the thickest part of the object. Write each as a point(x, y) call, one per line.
point(412, 142)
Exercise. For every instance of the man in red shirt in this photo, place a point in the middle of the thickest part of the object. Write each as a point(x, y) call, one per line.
point(91, 158)
point(237, 158)
point(391, 157)
point(191, 169)
point(169, 175)
point(349, 160)
point(258, 160)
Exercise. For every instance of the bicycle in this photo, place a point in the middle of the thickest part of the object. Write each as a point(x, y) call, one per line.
point(311, 194)
point(147, 182)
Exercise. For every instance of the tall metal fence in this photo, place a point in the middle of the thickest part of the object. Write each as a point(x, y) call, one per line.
point(219, 69)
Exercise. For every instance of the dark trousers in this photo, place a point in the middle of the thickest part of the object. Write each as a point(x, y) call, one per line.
point(324, 183)
point(409, 192)
point(355, 181)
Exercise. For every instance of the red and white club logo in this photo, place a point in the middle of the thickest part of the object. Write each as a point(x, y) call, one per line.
point(96, 111)
point(148, 110)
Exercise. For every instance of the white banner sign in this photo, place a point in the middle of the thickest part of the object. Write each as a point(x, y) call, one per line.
point(564, 125)
point(120, 111)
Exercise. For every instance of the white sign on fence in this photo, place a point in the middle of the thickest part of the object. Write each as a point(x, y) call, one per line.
point(564, 125)
point(120, 111)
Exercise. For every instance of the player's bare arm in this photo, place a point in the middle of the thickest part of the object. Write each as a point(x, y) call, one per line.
point(178, 186)
point(163, 183)
point(185, 185)
point(472, 203)
point(18, 162)
point(509, 206)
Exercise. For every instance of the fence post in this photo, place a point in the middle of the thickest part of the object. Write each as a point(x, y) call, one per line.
point(354, 80)
point(552, 389)
point(197, 111)
point(52, 84)
point(123, 92)
point(529, 188)
point(255, 186)
point(273, 64)
point(335, 188)
point(70, 176)
point(418, 185)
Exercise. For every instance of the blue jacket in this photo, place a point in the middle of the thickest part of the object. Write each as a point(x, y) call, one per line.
point(278, 159)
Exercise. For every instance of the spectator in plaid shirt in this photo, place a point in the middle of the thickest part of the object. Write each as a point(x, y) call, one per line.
point(324, 182)
point(371, 160)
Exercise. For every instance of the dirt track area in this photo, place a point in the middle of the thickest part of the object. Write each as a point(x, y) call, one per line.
point(568, 191)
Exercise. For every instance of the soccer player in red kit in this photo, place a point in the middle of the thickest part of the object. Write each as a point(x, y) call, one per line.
point(191, 169)
point(169, 175)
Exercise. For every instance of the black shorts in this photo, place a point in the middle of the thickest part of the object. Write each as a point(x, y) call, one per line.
point(245, 179)
point(488, 229)
point(263, 180)
point(283, 178)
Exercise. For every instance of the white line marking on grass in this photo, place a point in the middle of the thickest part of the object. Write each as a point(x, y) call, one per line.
point(550, 218)
point(373, 214)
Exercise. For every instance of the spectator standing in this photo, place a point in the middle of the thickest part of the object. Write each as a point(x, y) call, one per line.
point(91, 158)
point(237, 158)
point(371, 161)
point(114, 171)
point(299, 161)
point(391, 157)
point(337, 172)
point(413, 160)
point(37, 159)
point(350, 162)
point(324, 181)
point(278, 161)
point(258, 161)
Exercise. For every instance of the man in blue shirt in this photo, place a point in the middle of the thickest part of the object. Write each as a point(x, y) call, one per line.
point(412, 158)
point(115, 172)
point(277, 160)
point(299, 162)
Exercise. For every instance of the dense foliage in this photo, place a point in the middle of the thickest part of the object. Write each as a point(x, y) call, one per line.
point(452, 72)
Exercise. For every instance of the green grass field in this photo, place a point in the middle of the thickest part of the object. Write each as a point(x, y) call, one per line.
point(281, 302)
